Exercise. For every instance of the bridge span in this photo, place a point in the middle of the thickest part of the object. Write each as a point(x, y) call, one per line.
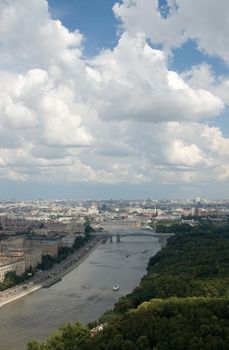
point(162, 237)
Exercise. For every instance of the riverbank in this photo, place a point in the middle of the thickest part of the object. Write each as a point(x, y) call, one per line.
point(18, 293)
point(83, 295)
point(71, 263)
point(51, 276)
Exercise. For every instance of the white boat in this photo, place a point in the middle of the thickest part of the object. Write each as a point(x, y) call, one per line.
point(115, 287)
point(144, 250)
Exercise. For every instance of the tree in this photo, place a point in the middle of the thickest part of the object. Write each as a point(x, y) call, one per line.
point(143, 343)
point(68, 337)
point(88, 228)
point(33, 345)
point(129, 345)
point(10, 279)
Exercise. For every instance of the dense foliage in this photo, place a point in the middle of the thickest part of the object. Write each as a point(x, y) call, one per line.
point(68, 337)
point(194, 264)
point(11, 279)
point(171, 324)
point(204, 226)
point(164, 227)
point(181, 304)
point(190, 323)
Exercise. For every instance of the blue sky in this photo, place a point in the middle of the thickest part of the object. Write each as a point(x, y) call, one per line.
point(95, 19)
point(138, 108)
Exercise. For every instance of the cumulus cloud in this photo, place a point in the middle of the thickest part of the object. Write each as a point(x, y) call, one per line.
point(121, 116)
point(29, 37)
point(133, 82)
point(202, 76)
point(203, 21)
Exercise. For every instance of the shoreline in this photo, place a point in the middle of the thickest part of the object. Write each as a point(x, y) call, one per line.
point(72, 265)
point(20, 294)
point(27, 288)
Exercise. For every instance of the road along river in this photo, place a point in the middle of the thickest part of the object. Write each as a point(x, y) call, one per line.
point(83, 294)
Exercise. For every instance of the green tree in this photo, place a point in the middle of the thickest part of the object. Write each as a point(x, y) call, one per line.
point(33, 345)
point(68, 337)
point(129, 345)
point(143, 343)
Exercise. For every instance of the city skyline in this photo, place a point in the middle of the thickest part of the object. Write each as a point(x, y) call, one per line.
point(114, 99)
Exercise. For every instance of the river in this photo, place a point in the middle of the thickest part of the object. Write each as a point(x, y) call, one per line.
point(83, 294)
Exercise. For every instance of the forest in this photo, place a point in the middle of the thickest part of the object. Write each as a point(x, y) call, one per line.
point(181, 303)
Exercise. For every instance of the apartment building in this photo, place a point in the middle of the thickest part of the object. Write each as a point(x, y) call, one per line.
point(18, 266)
point(47, 247)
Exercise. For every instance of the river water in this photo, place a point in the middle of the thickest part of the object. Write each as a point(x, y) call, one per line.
point(82, 295)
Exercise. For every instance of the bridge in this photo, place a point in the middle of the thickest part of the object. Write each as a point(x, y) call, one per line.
point(162, 237)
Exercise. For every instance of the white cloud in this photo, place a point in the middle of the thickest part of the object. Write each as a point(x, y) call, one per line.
point(29, 37)
point(133, 82)
point(121, 116)
point(183, 154)
point(207, 23)
point(204, 21)
point(201, 76)
point(143, 16)
point(15, 176)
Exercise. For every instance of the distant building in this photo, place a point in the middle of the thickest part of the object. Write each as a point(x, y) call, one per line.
point(55, 227)
point(47, 247)
point(15, 242)
point(75, 228)
point(93, 210)
point(33, 257)
point(99, 328)
point(17, 266)
point(52, 229)
point(168, 218)
point(11, 226)
point(67, 241)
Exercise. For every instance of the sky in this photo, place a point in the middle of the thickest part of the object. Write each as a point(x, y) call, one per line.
point(114, 99)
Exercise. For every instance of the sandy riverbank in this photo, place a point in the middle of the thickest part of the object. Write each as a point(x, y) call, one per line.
point(18, 292)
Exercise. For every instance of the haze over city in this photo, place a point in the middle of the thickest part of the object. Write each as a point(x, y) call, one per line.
point(114, 99)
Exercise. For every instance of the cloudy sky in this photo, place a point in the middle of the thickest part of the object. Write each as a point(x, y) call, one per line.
point(114, 99)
